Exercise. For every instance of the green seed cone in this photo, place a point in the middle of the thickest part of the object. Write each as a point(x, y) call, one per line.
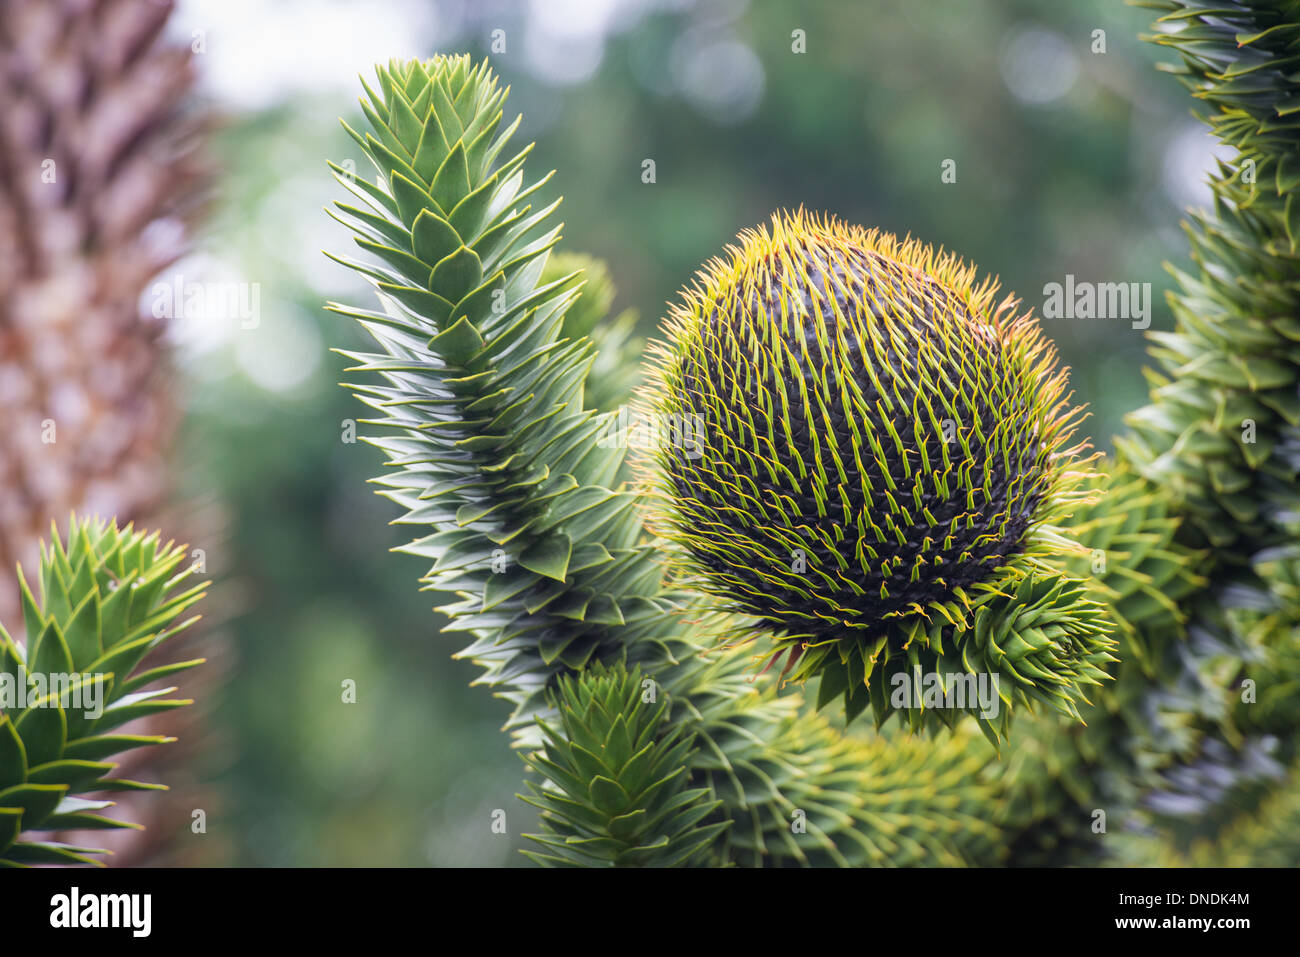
point(867, 453)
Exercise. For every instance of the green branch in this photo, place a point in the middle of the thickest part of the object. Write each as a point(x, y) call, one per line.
point(492, 452)
point(107, 599)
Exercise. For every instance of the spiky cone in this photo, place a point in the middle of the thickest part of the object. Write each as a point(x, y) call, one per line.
point(492, 453)
point(872, 455)
point(99, 182)
point(107, 598)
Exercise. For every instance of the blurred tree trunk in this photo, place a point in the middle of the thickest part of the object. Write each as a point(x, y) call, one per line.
point(100, 184)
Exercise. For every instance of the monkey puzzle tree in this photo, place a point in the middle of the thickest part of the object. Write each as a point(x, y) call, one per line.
point(882, 480)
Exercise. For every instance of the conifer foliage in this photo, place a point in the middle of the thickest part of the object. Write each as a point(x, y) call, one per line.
point(521, 496)
point(105, 598)
point(868, 409)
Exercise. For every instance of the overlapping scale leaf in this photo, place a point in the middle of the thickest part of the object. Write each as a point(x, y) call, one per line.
point(800, 792)
point(1217, 440)
point(491, 448)
point(104, 600)
point(1173, 675)
point(1165, 682)
point(616, 371)
point(1226, 397)
point(480, 395)
point(618, 773)
point(881, 450)
point(1219, 437)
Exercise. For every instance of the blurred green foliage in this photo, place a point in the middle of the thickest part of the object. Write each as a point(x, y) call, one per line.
point(859, 125)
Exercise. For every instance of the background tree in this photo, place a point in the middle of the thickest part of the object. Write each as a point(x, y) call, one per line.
point(101, 184)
